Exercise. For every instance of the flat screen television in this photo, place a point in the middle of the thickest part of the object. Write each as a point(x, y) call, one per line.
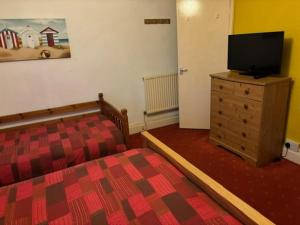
point(257, 54)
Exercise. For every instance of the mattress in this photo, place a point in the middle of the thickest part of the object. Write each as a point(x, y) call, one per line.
point(36, 151)
point(133, 187)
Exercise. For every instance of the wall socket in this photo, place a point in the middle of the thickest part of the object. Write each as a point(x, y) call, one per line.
point(294, 146)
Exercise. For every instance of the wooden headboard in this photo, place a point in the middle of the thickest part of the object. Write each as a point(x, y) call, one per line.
point(46, 113)
point(64, 113)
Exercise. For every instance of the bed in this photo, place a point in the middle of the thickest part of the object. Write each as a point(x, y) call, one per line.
point(36, 149)
point(139, 186)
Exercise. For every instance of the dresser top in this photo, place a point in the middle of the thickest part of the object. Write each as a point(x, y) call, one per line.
point(235, 76)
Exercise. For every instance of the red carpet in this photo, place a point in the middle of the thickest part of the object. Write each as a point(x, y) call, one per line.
point(273, 190)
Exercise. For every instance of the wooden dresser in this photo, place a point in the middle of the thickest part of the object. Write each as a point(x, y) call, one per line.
point(248, 116)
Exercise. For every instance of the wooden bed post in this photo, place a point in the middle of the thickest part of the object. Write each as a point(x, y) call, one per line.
point(101, 102)
point(125, 126)
point(120, 118)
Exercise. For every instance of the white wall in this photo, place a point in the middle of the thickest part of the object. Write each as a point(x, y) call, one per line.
point(111, 50)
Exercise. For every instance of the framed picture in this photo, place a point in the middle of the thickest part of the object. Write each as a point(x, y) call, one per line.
point(30, 39)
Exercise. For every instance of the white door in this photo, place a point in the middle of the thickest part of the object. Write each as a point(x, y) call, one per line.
point(9, 41)
point(30, 41)
point(202, 28)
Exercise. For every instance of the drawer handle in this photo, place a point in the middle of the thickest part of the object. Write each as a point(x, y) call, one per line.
point(220, 99)
point(245, 121)
point(219, 136)
point(243, 148)
point(220, 112)
point(244, 134)
point(246, 106)
point(221, 87)
point(220, 124)
point(247, 92)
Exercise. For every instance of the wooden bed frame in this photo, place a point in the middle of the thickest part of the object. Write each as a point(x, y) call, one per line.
point(231, 203)
point(44, 116)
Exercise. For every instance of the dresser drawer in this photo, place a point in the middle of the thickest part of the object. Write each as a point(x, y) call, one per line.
point(219, 98)
point(219, 121)
point(252, 120)
point(222, 105)
point(238, 125)
point(239, 145)
point(224, 111)
point(249, 91)
point(231, 138)
point(248, 149)
point(217, 134)
point(248, 106)
point(246, 134)
point(245, 148)
point(236, 134)
point(223, 86)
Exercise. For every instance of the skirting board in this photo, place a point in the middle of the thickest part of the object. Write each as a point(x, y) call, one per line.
point(152, 122)
point(165, 119)
point(292, 156)
point(135, 128)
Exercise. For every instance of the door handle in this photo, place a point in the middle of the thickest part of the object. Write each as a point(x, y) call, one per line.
point(182, 71)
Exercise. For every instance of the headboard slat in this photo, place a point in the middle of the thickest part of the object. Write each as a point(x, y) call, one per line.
point(49, 112)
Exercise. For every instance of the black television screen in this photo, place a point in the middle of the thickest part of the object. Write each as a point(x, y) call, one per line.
point(257, 53)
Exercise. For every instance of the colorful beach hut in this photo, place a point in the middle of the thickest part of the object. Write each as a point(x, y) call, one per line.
point(49, 37)
point(9, 39)
point(30, 38)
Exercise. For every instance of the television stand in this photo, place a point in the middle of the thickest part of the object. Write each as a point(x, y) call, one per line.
point(255, 74)
point(258, 76)
point(248, 116)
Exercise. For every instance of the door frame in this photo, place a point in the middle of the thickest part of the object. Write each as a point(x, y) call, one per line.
point(231, 16)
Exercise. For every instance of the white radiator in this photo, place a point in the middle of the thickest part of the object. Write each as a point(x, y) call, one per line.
point(161, 93)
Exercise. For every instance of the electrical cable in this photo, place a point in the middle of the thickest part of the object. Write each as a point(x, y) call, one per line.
point(287, 146)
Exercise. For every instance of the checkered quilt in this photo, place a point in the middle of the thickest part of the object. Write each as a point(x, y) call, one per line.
point(134, 187)
point(37, 151)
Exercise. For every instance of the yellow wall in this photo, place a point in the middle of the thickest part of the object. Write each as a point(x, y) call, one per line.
point(276, 15)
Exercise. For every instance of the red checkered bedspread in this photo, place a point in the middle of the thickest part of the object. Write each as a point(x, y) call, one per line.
point(133, 187)
point(37, 151)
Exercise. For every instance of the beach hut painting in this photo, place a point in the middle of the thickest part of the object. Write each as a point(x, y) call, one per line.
point(30, 39)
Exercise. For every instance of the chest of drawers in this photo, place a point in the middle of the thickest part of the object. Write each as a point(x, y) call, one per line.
point(248, 116)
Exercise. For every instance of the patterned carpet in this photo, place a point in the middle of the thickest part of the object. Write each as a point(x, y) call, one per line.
point(273, 190)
